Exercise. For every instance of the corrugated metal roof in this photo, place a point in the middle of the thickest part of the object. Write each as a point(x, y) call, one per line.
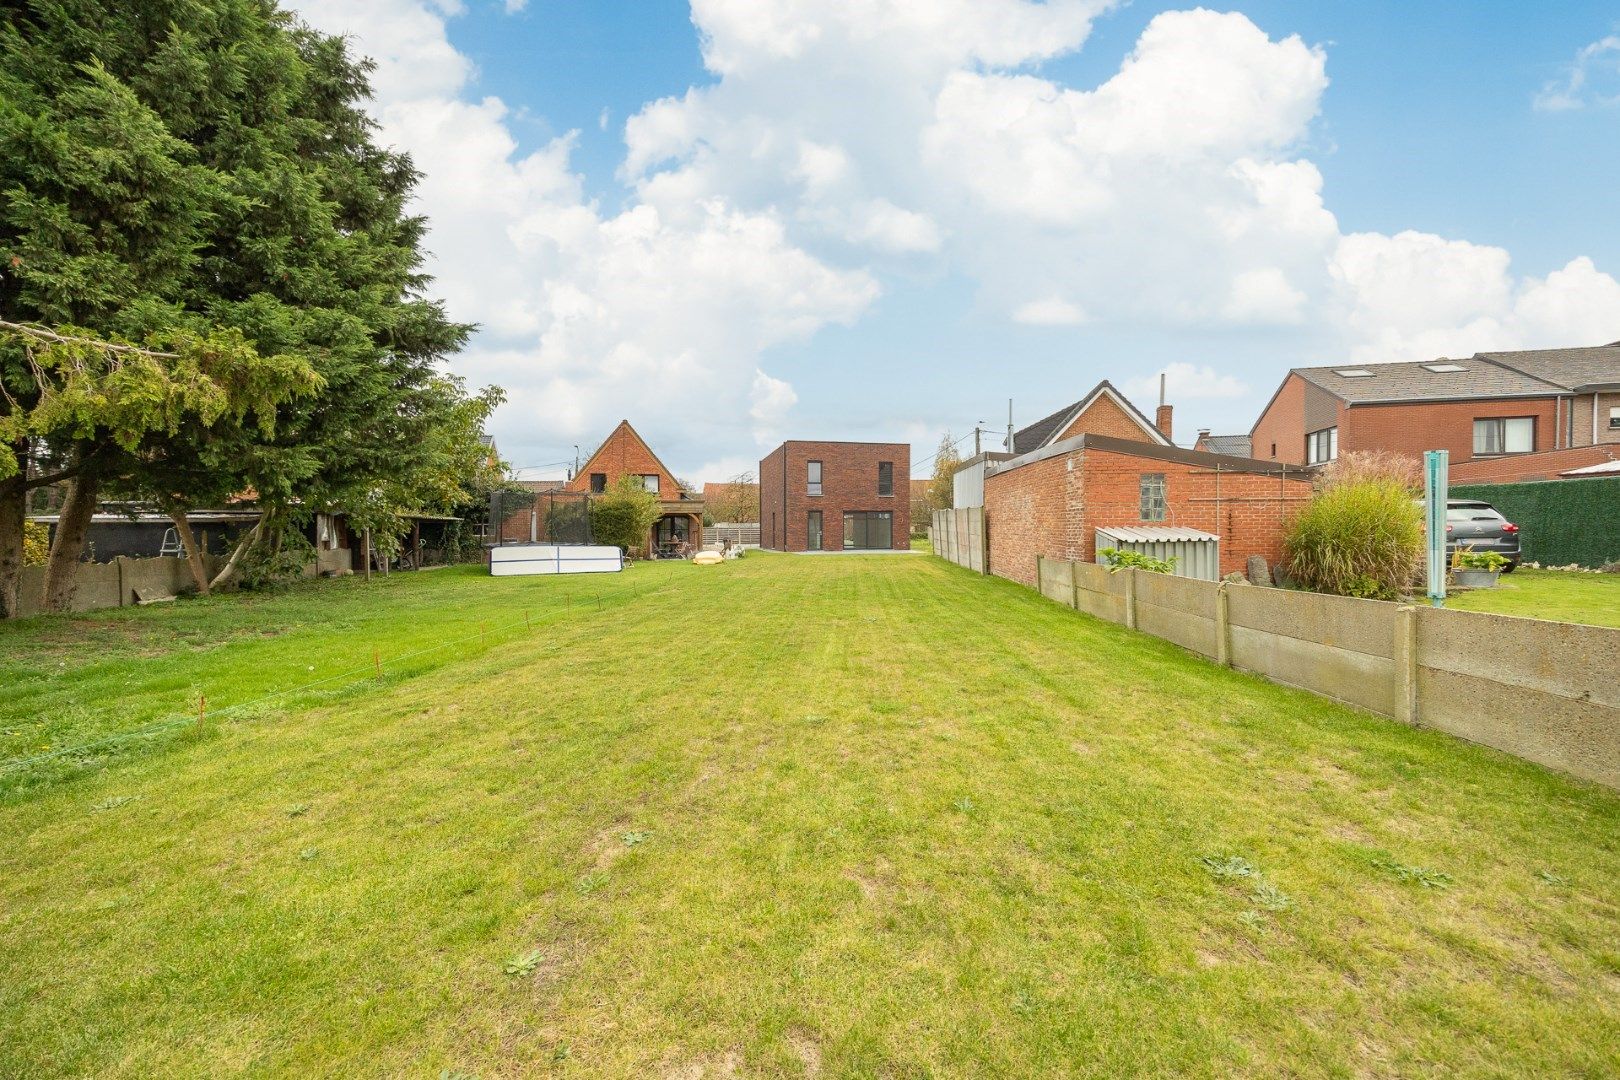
point(1153, 534)
point(1236, 445)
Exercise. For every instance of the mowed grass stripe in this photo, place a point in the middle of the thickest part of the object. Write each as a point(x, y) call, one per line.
point(876, 814)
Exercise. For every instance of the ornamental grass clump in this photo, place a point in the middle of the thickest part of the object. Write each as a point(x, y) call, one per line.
point(1363, 538)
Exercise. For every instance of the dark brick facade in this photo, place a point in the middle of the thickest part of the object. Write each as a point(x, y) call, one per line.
point(1054, 506)
point(849, 484)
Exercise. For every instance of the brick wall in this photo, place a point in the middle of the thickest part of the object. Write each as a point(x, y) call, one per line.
point(1581, 415)
point(1053, 508)
point(1104, 417)
point(625, 454)
point(1448, 425)
point(849, 482)
point(1515, 468)
point(1279, 434)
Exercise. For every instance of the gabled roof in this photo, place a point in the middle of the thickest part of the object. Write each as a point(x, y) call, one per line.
point(1239, 445)
point(1597, 367)
point(1153, 452)
point(624, 426)
point(1045, 430)
point(1428, 380)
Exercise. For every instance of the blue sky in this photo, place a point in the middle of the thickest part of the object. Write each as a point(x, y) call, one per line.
point(857, 230)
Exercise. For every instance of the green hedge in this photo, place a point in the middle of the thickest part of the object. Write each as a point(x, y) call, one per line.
point(1561, 521)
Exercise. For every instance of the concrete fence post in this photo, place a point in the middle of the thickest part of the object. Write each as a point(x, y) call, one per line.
point(123, 585)
point(1223, 625)
point(1130, 598)
point(1074, 584)
point(1406, 665)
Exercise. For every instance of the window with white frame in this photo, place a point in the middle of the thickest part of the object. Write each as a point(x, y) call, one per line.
point(1504, 435)
point(1322, 446)
point(1614, 416)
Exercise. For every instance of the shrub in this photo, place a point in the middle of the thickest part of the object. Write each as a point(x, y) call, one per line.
point(624, 514)
point(36, 543)
point(1117, 560)
point(1361, 466)
point(1481, 560)
point(1361, 538)
point(275, 562)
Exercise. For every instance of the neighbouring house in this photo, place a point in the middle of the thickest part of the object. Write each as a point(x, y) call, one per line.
point(835, 496)
point(626, 453)
point(1235, 445)
point(1051, 502)
point(1103, 411)
point(1490, 405)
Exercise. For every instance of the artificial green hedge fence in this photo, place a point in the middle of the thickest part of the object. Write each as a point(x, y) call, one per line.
point(1560, 521)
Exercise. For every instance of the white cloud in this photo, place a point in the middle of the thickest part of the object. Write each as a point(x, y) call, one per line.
point(1049, 311)
point(846, 142)
point(1186, 382)
point(1592, 78)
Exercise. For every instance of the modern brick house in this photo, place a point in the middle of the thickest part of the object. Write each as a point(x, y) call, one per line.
point(835, 496)
point(1052, 501)
point(1490, 405)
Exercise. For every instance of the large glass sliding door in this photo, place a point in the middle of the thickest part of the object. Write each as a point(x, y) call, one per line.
point(868, 529)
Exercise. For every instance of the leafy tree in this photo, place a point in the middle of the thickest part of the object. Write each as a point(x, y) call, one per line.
point(941, 489)
point(737, 501)
point(202, 165)
point(624, 514)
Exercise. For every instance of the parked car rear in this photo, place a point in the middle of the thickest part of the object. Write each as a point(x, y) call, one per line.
point(1478, 526)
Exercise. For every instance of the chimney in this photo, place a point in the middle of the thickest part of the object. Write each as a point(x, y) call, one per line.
point(1161, 419)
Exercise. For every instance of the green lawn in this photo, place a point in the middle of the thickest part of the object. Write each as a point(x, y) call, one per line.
point(1549, 594)
point(855, 816)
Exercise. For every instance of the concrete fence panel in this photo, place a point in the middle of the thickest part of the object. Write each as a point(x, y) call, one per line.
point(113, 584)
point(1178, 609)
point(1545, 691)
point(1099, 592)
point(958, 536)
point(1336, 646)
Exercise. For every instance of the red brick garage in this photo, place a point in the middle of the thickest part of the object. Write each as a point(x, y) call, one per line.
point(1051, 502)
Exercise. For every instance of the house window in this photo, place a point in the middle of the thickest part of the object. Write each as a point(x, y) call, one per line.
point(598, 482)
point(885, 478)
point(1614, 416)
point(1322, 446)
point(868, 529)
point(1273, 451)
point(813, 478)
point(812, 540)
point(1153, 496)
point(1505, 435)
point(650, 483)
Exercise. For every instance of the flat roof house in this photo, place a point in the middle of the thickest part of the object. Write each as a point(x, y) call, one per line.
point(835, 496)
point(1489, 405)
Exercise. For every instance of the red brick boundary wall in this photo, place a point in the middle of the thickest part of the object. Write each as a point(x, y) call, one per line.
point(1520, 468)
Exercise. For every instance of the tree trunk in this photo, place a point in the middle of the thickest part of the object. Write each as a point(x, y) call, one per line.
point(13, 513)
point(227, 573)
point(194, 557)
point(72, 529)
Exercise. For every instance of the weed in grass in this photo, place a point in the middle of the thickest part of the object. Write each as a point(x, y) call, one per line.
point(453, 1074)
point(298, 809)
point(1025, 1004)
point(111, 804)
point(523, 965)
point(1551, 878)
point(964, 805)
point(1416, 875)
point(562, 1053)
point(590, 883)
point(1228, 867)
point(309, 853)
point(1271, 898)
point(1253, 920)
point(631, 839)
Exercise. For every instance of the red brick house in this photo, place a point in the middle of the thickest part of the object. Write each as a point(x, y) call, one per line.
point(835, 496)
point(1052, 501)
point(1488, 406)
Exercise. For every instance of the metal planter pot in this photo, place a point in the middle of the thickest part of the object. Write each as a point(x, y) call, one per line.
point(1475, 579)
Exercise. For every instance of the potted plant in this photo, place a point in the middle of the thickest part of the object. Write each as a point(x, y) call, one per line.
point(1477, 569)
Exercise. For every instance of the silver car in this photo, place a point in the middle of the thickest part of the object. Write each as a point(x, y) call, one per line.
point(1478, 526)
